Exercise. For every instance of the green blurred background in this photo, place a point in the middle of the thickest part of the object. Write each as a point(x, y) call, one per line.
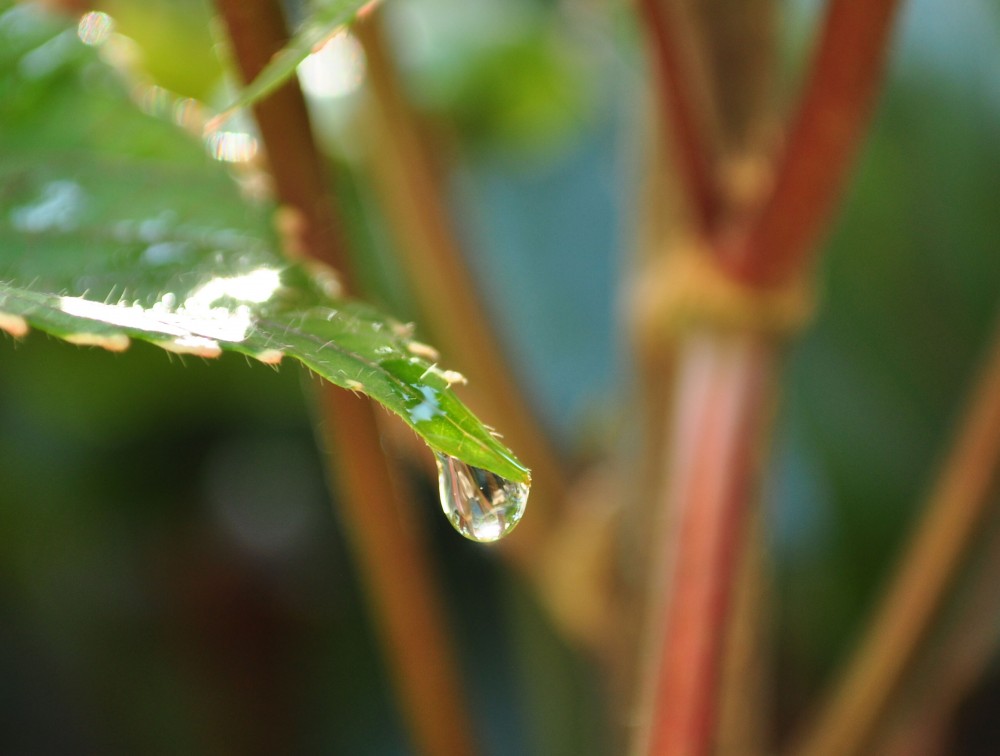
point(172, 577)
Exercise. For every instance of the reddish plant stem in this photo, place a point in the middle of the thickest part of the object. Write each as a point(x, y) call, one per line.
point(830, 123)
point(719, 417)
point(955, 512)
point(394, 565)
point(687, 122)
point(723, 393)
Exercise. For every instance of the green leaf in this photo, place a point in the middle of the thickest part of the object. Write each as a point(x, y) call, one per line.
point(324, 19)
point(115, 225)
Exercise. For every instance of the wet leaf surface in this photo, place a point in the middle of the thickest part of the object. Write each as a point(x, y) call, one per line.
point(116, 225)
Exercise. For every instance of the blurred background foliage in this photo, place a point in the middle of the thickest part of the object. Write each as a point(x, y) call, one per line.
point(172, 578)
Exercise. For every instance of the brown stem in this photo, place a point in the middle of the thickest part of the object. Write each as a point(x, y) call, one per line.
point(724, 383)
point(409, 187)
point(958, 661)
point(952, 518)
point(683, 113)
point(739, 55)
point(723, 391)
point(256, 30)
point(392, 558)
point(397, 577)
point(825, 134)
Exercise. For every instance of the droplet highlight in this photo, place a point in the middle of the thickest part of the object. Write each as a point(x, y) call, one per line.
point(95, 28)
point(481, 505)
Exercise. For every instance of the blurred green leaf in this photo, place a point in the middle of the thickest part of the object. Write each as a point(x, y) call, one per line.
point(507, 73)
point(115, 225)
point(174, 42)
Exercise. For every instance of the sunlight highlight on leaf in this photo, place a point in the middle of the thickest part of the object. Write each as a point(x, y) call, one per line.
point(216, 310)
point(232, 146)
point(94, 28)
point(116, 226)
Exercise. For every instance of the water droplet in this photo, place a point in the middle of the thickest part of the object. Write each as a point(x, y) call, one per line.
point(165, 253)
point(480, 504)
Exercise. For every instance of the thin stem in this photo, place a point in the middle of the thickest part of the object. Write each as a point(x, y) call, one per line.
point(744, 704)
point(397, 577)
point(825, 134)
point(738, 53)
point(954, 514)
point(393, 562)
point(408, 183)
point(957, 662)
point(683, 114)
point(722, 394)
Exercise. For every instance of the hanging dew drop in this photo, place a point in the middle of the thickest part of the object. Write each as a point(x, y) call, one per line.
point(480, 504)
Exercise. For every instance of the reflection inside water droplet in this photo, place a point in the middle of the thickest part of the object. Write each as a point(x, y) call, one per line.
point(480, 504)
